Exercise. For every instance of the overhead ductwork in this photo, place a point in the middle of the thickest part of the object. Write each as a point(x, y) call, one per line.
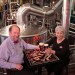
point(31, 20)
point(27, 9)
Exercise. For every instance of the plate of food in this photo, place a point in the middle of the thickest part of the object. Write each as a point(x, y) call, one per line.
point(36, 58)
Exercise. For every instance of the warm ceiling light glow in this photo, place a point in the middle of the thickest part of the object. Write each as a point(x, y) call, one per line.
point(1, 2)
point(53, 2)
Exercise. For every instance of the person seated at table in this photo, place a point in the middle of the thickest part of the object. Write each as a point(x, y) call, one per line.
point(60, 47)
point(11, 52)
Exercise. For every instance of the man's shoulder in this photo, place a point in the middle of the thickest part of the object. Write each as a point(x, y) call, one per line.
point(5, 41)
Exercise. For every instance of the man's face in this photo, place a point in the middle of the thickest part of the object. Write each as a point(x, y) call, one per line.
point(15, 33)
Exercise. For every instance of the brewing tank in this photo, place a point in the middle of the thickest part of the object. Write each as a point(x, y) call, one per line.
point(31, 20)
point(32, 35)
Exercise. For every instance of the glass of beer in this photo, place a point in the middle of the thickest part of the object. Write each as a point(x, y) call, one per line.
point(41, 45)
point(45, 46)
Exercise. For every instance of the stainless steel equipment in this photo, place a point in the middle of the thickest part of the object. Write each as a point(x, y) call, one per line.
point(32, 35)
point(31, 20)
point(29, 15)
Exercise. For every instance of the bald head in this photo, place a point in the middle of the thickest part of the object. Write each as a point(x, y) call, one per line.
point(13, 26)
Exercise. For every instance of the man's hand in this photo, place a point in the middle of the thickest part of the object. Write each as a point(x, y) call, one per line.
point(37, 47)
point(19, 67)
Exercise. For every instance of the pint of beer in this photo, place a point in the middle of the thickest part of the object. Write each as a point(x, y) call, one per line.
point(45, 46)
point(41, 45)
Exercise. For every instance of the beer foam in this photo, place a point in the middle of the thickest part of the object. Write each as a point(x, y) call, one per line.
point(41, 44)
point(45, 44)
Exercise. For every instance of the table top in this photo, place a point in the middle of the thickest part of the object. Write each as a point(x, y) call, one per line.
point(39, 58)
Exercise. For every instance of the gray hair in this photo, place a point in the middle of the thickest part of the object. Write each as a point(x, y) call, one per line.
point(60, 28)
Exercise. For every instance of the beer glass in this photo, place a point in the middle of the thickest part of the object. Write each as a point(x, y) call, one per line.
point(41, 45)
point(45, 46)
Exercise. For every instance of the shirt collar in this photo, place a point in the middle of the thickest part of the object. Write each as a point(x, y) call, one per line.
point(12, 40)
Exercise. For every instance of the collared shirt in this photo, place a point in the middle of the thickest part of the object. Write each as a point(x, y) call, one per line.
point(12, 53)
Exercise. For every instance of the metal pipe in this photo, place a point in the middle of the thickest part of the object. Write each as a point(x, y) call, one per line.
point(27, 9)
point(66, 15)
